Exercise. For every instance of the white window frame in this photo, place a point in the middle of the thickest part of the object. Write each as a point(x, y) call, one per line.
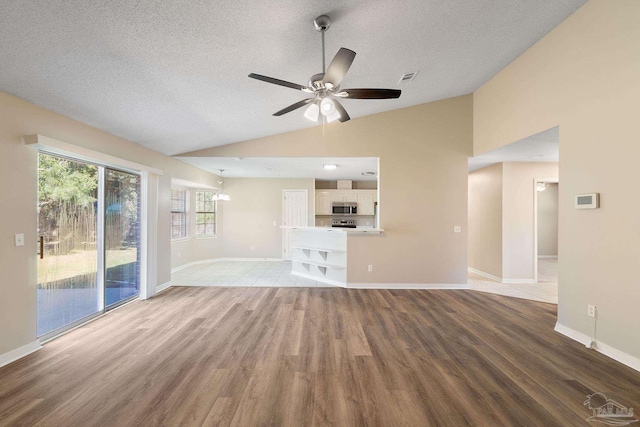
point(214, 212)
point(185, 214)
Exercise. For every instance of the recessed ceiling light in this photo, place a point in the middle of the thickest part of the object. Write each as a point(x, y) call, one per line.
point(368, 173)
point(330, 167)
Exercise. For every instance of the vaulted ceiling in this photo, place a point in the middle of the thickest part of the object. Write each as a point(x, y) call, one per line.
point(172, 76)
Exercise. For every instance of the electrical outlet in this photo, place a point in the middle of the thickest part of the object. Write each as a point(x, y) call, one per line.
point(457, 229)
point(370, 268)
point(19, 239)
point(591, 310)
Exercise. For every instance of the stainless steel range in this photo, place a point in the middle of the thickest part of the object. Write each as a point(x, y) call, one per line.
point(343, 223)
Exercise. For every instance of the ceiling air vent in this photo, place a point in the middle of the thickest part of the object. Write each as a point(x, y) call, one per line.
point(407, 77)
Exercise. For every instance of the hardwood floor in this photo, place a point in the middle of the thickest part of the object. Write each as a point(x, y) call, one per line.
point(312, 357)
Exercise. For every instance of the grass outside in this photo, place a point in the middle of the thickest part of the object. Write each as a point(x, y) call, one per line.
point(79, 264)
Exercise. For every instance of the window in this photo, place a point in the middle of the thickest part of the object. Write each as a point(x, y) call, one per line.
point(178, 213)
point(205, 213)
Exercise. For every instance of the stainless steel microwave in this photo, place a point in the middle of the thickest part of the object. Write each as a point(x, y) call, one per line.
point(344, 208)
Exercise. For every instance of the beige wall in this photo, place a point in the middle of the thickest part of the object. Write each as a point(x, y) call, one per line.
point(485, 220)
point(518, 238)
point(548, 221)
point(248, 228)
point(583, 76)
point(423, 153)
point(18, 186)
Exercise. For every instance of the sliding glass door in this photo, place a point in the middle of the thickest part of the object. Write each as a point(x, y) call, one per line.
point(89, 251)
point(122, 237)
point(67, 226)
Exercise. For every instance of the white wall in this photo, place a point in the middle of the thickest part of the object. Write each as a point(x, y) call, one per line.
point(548, 221)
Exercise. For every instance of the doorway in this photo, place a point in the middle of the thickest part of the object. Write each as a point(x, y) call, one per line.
point(295, 213)
point(89, 230)
point(546, 231)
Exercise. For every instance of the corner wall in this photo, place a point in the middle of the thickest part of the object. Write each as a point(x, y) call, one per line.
point(583, 76)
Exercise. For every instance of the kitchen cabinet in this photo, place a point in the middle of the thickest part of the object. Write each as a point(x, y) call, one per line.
point(323, 203)
point(366, 203)
point(364, 198)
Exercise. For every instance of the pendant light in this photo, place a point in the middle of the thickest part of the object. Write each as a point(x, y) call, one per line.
point(222, 195)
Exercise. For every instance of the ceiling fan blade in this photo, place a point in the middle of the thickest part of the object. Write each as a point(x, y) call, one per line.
point(344, 116)
point(276, 81)
point(339, 66)
point(370, 93)
point(292, 107)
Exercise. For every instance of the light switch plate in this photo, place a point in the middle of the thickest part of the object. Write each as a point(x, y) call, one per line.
point(20, 239)
point(457, 229)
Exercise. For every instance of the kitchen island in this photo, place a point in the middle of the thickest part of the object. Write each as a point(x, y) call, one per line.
point(320, 253)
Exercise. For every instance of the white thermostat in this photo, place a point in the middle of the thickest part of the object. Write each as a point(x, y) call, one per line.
point(588, 201)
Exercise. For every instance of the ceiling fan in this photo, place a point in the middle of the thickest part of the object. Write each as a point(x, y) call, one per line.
point(325, 86)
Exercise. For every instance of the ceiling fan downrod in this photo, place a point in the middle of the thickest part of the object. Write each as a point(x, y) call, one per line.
point(322, 24)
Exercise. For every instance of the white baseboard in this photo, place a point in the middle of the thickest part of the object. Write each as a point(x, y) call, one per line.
point(547, 256)
point(518, 281)
point(607, 350)
point(212, 260)
point(450, 286)
point(500, 279)
point(19, 352)
point(483, 274)
point(319, 279)
point(381, 285)
point(163, 287)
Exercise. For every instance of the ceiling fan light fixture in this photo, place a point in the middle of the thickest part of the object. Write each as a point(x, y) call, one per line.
point(333, 117)
point(327, 107)
point(312, 112)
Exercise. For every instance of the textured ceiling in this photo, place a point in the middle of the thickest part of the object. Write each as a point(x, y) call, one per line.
point(541, 147)
point(289, 167)
point(172, 76)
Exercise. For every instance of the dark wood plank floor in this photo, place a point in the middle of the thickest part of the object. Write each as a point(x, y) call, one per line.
point(312, 357)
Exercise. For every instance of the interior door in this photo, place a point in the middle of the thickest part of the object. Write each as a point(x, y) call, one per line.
point(68, 268)
point(294, 214)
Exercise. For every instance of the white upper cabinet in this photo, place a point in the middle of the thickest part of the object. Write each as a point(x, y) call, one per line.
point(323, 203)
point(365, 203)
point(364, 198)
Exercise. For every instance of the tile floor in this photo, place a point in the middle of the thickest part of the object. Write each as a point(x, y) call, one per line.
point(278, 274)
point(241, 273)
point(546, 290)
